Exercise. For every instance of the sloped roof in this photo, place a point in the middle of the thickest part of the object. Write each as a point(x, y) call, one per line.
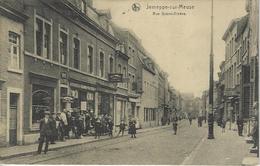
point(241, 24)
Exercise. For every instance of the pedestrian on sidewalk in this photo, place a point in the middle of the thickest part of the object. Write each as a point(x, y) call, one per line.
point(255, 135)
point(122, 126)
point(60, 128)
point(98, 128)
point(65, 122)
point(87, 121)
point(175, 125)
point(190, 120)
point(132, 128)
point(110, 125)
point(45, 132)
point(54, 132)
point(223, 125)
point(240, 126)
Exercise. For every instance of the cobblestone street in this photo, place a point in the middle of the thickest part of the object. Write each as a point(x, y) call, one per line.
point(161, 146)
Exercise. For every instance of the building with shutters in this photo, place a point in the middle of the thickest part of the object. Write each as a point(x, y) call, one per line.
point(12, 17)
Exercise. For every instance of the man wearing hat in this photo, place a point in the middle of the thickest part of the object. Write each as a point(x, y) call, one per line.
point(45, 132)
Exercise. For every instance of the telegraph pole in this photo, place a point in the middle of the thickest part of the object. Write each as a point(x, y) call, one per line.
point(211, 83)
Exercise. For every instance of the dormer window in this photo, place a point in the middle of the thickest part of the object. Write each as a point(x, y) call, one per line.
point(83, 6)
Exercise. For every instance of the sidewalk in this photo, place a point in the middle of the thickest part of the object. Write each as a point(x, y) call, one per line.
point(226, 149)
point(15, 151)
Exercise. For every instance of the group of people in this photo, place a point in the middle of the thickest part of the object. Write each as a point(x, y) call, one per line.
point(67, 124)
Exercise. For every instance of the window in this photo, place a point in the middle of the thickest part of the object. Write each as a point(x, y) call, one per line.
point(83, 6)
point(90, 59)
point(14, 50)
point(124, 71)
point(101, 64)
point(42, 100)
point(63, 48)
point(124, 75)
point(111, 65)
point(119, 68)
point(76, 53)
point(43, 38)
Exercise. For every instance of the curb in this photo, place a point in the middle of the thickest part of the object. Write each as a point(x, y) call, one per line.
point(76, 144)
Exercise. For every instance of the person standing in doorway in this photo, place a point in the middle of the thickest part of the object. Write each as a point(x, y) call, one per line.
point(45, 132)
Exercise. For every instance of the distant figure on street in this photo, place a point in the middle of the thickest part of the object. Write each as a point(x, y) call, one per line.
point(132, 128)
point(45, 132)
point(169, 121)
point(190, 120)
point(122, 126)
point(240, 126)
point(223, 125)
point(175, 125)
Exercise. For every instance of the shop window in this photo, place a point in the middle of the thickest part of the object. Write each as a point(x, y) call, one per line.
point(63, 93)
point(104, 104)
point(14, 50)
point(43, 38)
point(42, 100)
point(101, 64)
point(63, 48)
point(76, 53)
point(90, 59)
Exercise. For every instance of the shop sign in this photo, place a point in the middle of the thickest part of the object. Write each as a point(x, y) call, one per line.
point(115, 77)
point(80, 86)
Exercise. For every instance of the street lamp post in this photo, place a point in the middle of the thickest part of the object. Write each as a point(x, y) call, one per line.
point(211, 83)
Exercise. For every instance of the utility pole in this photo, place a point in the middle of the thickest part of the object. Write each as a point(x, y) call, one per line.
point(211, 83)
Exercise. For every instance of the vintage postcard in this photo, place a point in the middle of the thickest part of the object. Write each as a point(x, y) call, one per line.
point(129, 82)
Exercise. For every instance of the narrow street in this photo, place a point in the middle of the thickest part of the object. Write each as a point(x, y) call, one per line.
point(155, 147)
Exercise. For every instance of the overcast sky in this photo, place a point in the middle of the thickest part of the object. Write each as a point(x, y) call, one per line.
point(179, 44)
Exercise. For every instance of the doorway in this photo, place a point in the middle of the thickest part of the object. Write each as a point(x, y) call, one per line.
point(13, 109)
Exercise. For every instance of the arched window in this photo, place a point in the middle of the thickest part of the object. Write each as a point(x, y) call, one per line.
point(111, 65)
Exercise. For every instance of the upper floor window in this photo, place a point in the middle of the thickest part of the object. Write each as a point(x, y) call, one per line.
point(43, 38)
point(119, 68)
point(76, 57)
point(90, 59)
point(63, 48)
point(124, 72)
point(101, 64)
point(14, 50)
point(111, 65)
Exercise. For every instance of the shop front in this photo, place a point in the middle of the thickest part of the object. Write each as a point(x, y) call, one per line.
point(82, 98)
point(42, 98)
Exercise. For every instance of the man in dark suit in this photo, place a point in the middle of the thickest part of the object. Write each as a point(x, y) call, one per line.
point(45, 132)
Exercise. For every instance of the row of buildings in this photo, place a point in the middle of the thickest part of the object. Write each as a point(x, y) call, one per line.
point(61, 54)
point(236, 90)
